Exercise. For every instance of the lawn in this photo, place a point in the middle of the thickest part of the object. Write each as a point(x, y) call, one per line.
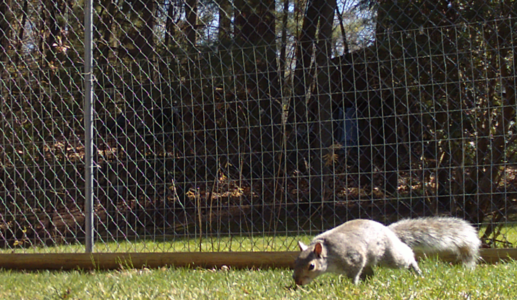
point(440, 281)
point(207, 244)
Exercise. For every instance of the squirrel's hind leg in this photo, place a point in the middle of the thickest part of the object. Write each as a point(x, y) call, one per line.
point(468, 257)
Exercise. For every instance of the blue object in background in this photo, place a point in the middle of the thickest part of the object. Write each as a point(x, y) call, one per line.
point(347, 129)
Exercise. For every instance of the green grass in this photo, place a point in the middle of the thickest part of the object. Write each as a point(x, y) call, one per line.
point(243, 243)
point(211, 244)
point(440, 281)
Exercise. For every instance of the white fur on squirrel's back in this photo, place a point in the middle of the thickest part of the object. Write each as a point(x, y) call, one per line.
point(352, 249)
point(440, 235)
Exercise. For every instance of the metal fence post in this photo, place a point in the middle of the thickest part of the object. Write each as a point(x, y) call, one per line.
point(88, 123)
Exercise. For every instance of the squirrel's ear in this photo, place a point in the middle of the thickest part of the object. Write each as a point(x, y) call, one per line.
point(302, 246)
point(318, 248)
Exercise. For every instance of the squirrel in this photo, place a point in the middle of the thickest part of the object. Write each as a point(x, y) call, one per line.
point(354, 247)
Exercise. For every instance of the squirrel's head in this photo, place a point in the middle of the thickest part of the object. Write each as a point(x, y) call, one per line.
point(311, 263)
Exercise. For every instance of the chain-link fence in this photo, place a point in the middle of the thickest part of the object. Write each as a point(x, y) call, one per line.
point(241, 125)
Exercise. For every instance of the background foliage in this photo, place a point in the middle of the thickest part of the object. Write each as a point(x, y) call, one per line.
point(266, 117)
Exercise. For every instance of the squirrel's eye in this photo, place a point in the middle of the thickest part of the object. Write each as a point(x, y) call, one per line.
point(311, 267)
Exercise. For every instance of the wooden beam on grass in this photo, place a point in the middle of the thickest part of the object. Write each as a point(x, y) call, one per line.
point(491, 256)
point(488, 256)
point(239, 260)
point(108, 261)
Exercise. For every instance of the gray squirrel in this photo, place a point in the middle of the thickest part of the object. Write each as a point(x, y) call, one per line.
point(354, 247)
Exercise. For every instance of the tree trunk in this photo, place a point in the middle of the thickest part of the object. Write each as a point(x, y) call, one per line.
point(139, 97)
point(298, 146)
point(105, 30)
point(53, 30)
point(283, 46)
point(259, 82)
point(169, 24)
point(323, 132)
point(25, 13)
point(190, 30)
point(304, 76)
point(5, 28)
point(225, 21)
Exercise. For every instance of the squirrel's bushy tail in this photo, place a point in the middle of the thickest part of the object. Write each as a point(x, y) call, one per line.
point(441, 235)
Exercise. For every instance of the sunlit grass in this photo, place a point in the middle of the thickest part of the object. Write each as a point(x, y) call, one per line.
point(507, 237)
point(236, 243)
point(440, 281)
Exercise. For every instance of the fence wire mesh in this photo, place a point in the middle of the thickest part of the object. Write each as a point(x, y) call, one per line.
point(243, 125)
